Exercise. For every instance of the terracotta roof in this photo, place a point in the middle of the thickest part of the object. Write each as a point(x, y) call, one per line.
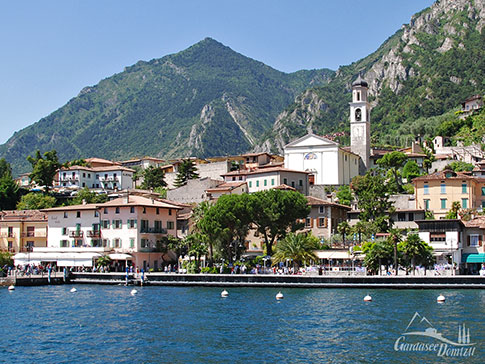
point(442, 176)
point(139, 201)
point(262, 170)
point(24, 215)
point(98, 169)
point(313, 201)
point(228, 186)
point(477, 222)
point(255, 154)
point(89, 206)
point(100, 160)
point(284, 187)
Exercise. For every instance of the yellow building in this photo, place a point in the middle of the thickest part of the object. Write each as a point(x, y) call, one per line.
point(22, 230)
point(436, 192)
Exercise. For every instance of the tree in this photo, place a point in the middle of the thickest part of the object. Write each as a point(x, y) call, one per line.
point(395, 238)
point(415, 252)
point(5, 168)
point(460, 166)
point(377, 254)
point(393, 162)
point(373, 199)
point(204, 226)
point(36, 201)
point(275, 212)
point(187, 170)
point(9, 193)
point(76, 162)
point(103, 261)
point(360, 228)
point(297, 247)
point(88, 196)
point(411, 170)
point(197, 247)
point(44, 168)
point(344, 195)
point(344, 229)
point(453, 213)
point(153, 177)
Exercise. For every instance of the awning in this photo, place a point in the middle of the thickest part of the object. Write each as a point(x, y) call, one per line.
point(118, 256)
point(473, 258)
point(70, 259)
point(331, 254)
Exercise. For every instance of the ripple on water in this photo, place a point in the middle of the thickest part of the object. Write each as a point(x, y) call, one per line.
point(100, 324)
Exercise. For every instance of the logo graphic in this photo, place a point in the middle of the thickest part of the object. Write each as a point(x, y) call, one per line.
point(310, 156)
point(421, 328)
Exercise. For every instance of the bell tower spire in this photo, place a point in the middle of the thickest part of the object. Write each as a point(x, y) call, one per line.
point(360, 123)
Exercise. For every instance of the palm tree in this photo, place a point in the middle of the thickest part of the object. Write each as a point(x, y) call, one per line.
point(359, 228)
point(395, 238)
point(416, 251)
point(297, 247)
point(344, 229)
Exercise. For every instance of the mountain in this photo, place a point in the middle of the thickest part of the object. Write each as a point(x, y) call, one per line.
point(209, 100)
point(425, 69)
point(204, 101)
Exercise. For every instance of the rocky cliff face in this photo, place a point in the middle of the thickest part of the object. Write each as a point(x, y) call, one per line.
point(426, 68)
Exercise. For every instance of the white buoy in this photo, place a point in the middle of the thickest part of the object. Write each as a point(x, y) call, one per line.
point(279, 296)
point(367, 298)
point(133, 292)
point(224, 293)
point(441, 298)
point(73, 290)
point(11, 288)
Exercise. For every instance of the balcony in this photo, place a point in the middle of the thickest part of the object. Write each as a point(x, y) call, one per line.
point(34, 234)
point(152, 230)
point(94, 233)
point(8, 235)
point(76, 234)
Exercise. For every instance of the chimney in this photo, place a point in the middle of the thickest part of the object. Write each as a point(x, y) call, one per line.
point(126, 198)
point(84, 201)
point(153, 201)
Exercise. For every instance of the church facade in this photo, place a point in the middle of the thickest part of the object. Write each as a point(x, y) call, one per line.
point(326, 162)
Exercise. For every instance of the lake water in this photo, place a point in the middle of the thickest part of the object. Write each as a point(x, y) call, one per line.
point(105, 324)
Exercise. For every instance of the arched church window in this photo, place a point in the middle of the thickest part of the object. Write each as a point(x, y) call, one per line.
point(358, 115)
point(358, 96)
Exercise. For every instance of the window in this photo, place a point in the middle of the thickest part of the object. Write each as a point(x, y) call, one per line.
point(483, 204)
point(117, 243)
point(158, 211)
point(117, 224)
point(131, 224)
point(411, 216)
point(443, 187)
point(143, 225)
point(89, 175)
point(265, 182)
point(170, 212)
point(250, 184)
point(105, 243)
point(426, 189)
point(144, 243)
point(285, 181)
point(401, 216)
point(300, 182)
point(132, 209)
point(144, 210)
point(96, 213)
point(321, 209)
point(170, 225)
point(84, 184)
point(97, 176)
point(437, 237)
point(426, 204)
point(474, 240)
point(132, 243)
point(105, 211)
point(257, 183)
point(64, 243)
point(117, 210)
point(483, 191)
point(443, 203)
point(272, 181)
point(293, 184)
point(464, 203)
point(64, 231)
point(78, 214)
point(105, 224)
point(308, 222)
point(322, 222)
point(65, 214)
point(463, 187)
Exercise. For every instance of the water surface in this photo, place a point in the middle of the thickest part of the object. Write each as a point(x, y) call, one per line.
point(105, 324)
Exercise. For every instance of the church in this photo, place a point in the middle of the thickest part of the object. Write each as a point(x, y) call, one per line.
point(327, 162)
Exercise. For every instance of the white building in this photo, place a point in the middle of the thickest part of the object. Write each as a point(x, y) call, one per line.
point(325, 161)
point(113, 177)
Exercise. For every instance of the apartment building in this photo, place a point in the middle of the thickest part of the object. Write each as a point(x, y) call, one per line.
point(21, 231)
point(113, 177)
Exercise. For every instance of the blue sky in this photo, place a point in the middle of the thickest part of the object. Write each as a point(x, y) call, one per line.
point(50, 50)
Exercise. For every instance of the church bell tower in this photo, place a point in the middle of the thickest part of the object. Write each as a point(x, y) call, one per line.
point(360, 123)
